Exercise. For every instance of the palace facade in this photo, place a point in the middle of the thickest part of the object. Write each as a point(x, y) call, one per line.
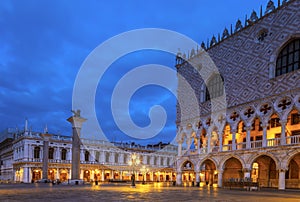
point(248, 125)
point(22, 159)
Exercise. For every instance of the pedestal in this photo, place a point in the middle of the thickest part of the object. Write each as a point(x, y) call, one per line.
point(46, 137)
point(76, 122)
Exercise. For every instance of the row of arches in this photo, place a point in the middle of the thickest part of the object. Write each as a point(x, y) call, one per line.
point(256, 132)
point(265, 169)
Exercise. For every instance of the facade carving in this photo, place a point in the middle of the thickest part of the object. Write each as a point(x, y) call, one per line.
point(99, 160)
point(251, 129)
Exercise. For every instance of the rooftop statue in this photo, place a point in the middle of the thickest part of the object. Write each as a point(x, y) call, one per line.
point(203, 45)
point(225, 34)
point(76, 113)
point(253, 16)
point(238, 26)
point(213, 41)
point(193, 53)
point(179, 54)
point(270, 7)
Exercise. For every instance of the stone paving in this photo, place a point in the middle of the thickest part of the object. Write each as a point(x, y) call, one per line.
point(148, 192)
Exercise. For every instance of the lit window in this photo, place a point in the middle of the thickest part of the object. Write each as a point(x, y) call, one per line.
point(295, 119)
point(288, 58)
point(275, 122)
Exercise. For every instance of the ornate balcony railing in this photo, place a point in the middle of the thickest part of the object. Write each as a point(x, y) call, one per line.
point(274, 142)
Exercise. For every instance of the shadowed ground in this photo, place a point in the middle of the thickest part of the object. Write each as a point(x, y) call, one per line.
point(148, 192)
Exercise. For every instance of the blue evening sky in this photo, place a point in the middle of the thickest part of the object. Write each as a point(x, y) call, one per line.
point(43, 44)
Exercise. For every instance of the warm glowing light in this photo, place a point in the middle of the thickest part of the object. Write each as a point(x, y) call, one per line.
point(51, 171)
point(216, 172)
point(86, 171)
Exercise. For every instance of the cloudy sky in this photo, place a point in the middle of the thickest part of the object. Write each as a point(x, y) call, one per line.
point(44, 43)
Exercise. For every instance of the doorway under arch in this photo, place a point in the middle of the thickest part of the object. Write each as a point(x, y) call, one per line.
point(233, 169)
point(264, 171)
point(208, 173)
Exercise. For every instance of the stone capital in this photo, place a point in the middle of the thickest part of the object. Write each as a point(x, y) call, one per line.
point(246, 170)
point(46, 136)
point(282, 170)
point(248, 128)
point(76, 121)
point(283, 122)
point(220, 171)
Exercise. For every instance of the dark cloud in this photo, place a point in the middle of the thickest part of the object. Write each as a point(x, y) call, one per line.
point(44, 43)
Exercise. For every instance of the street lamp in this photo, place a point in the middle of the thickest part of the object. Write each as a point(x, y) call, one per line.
point(133, 162)
point(144, 171)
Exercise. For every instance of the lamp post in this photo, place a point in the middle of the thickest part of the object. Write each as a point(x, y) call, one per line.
point(144, 171)
point(133, 162)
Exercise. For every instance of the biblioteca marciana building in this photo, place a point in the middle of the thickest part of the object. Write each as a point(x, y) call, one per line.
point(248, 126)
point(22, 158)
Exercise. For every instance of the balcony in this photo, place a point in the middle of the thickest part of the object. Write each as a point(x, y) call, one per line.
point(270, 143)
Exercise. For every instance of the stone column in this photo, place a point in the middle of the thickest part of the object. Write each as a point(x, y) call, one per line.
point(70, 174)
point(57, 173)
point(121, 175)
point(46, 138)
point(92, 156)
point(26, 152)
point(69, 154)
point(209, 144)
point(220, 178)
point(281, 181)
point(58, 153)
point(247, 173)
point(111, 175)
point(179, 148)
point(178, 178)
point(112, 157)
point(197, 177)
point(92, 175)
point(248, 137)
point(283, 137)
point(81, 155)
point(264, 141)
point(102, 175)
point(151, 176)
point(220, 141)
point(26, 175)
point(102, 157)
point(76, 122)
point(198, 145)
point(233, 132)
point(30, 152)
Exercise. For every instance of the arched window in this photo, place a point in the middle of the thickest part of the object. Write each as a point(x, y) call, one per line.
point(97, 156)
point(36, 152)
point(51, 153)
point(214, 87)
point(288, 58)
point(116, 158)
point(63, 154)
point(87, 156)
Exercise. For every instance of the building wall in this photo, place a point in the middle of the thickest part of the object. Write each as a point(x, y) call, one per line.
point(223, 131)
point(99, 160)
point(246, 63)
